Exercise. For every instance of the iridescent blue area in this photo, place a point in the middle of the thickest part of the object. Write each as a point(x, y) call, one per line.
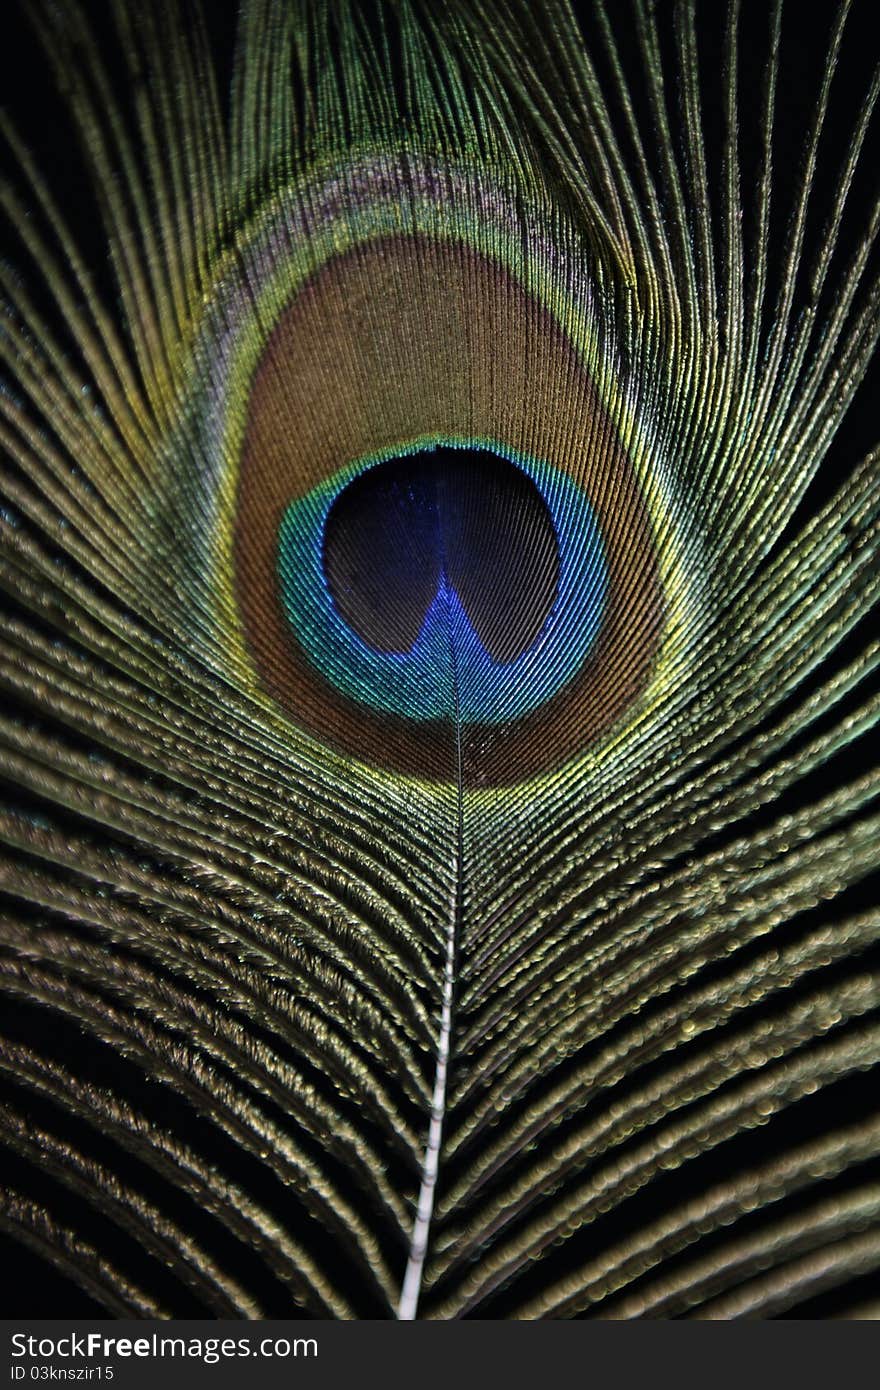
point(447, 671)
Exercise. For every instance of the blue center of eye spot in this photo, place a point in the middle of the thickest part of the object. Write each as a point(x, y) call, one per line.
point(447, 580)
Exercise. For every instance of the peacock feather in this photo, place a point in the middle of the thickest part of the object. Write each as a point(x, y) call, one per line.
point(439, 545)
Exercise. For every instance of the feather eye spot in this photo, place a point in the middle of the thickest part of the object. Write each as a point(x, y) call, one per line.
point(362, 455)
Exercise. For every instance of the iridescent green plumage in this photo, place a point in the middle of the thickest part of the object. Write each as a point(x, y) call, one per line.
point(483, 995)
